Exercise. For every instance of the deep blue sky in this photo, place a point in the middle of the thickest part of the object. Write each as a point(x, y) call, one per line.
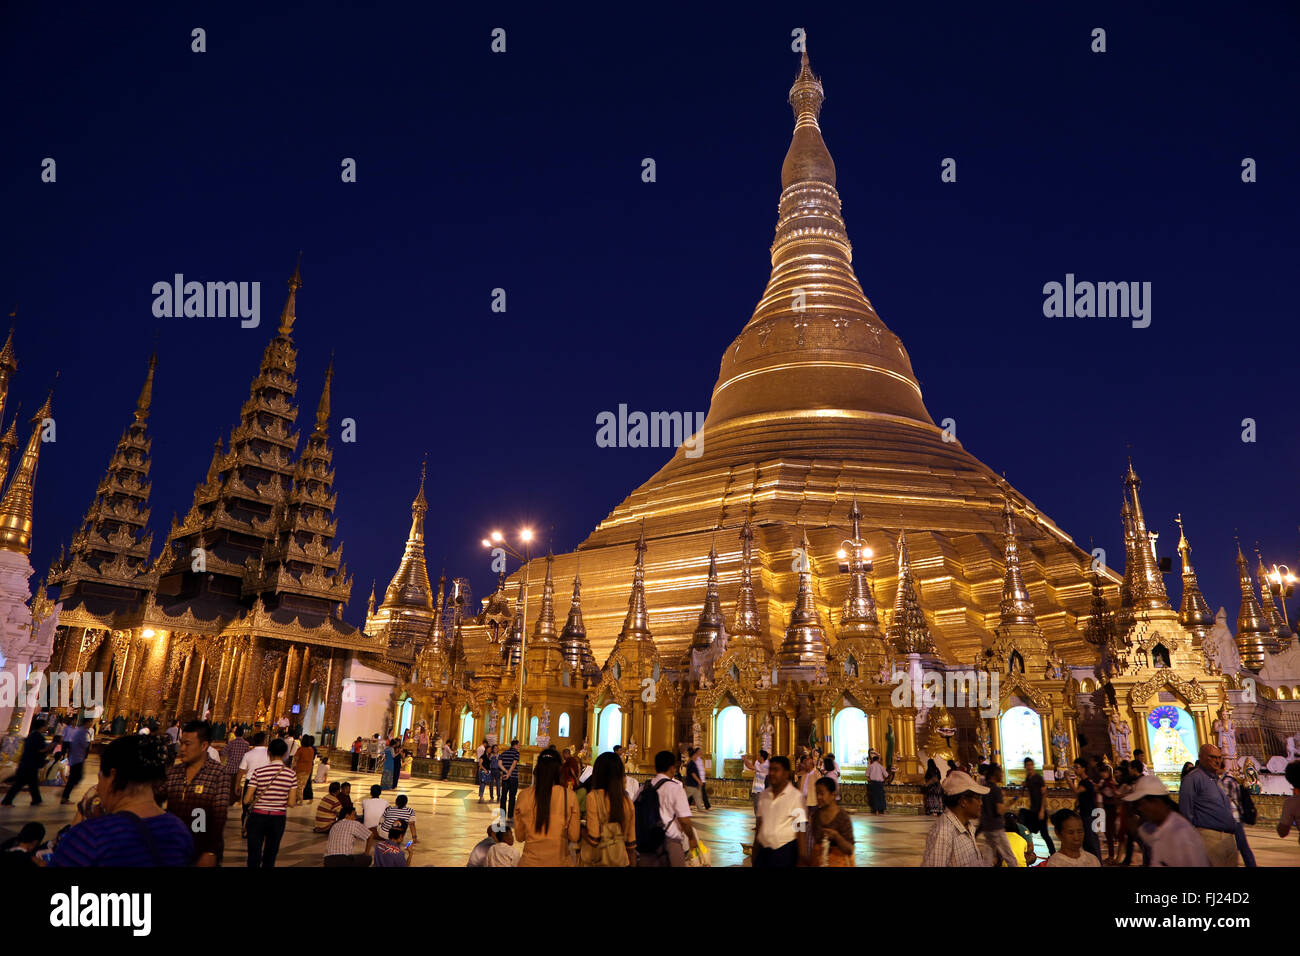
point(522, 171)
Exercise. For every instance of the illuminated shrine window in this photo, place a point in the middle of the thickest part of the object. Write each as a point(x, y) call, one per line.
point(1160, 656)
point(467, 725)
point(1016, 665)
point(563, 728)
point(532, 731)
point(1021, 731)
point(609, 729)
point(731, 736)
point(851, 737)
point(404, 724)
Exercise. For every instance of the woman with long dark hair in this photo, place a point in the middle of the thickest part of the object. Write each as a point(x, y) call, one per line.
point(546, 817)
point(609, 836)
point(133, 830)
point(933, 789)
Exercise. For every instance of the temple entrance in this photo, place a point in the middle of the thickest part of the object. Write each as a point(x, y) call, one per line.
point(404, 718)
point(851, 737)
point(467, 726)
point(1173, 739)
point(1021, 733)
point(609, 728)
point(729, 737)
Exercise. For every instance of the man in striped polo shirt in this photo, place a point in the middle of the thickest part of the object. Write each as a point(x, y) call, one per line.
point(267, 799)
point(510, 779)
point(400, 813)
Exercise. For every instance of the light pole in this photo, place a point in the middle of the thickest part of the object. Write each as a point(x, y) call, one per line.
point(498, 540)
point(1282, 583)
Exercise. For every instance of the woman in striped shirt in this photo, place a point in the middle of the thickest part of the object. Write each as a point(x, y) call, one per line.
point(269, 790)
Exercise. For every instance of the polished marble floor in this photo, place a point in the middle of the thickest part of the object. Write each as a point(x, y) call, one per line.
point(450, 820)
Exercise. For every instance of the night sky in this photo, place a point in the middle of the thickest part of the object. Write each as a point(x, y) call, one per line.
point(523, 171)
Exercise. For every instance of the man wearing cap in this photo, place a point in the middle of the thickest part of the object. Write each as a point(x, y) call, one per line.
point(952, 837)
point(1205, 804)
point(1170, 840)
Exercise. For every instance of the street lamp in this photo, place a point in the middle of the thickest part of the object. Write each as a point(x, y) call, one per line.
point(498, 540)
point(1282, 583)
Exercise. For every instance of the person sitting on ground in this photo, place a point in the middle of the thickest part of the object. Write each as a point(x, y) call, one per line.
point(340, 848)
point(496, 849)
point(327, 811)
point(345, 796)
point(373, 807)
point(19, 852)
point(400, 811)
point(1069, 830)
point(394, 849)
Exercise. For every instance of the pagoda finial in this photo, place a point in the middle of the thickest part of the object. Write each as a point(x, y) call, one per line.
point(8, 442)
point(8, 364)
point(908, 630)
point(805, 640)
point(711, 625)
point(16, 506)
point(323, 406)
point(1193, 612)
point(746, 623)
point(544, 629)
point(858, 616)
point(1269, 606)
point(1253, 631)
point(573, 639)
point(1147, 586)
point(636, 626)
point(808, 159)
point(370, 605)
point(1017, 607)
point(290, 312)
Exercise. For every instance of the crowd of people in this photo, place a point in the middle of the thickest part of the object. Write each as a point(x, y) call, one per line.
point(154, 785)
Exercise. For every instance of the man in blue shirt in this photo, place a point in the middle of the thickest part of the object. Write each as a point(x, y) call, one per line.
point(77, 743)
point(1205, 804)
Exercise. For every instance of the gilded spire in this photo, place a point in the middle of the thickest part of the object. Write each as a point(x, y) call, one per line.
point(544, 628)
point(711, 624)
point(1147, 586)
point(1194, 612)
point(370, 604)
point(290, 312)
point(908, 629)
point(805, 640)
point(8, 365)
point(16, 506)
point(747, 624)
point(437, 635)
point(145, 400)
point(8, 442)
point(636, 626)
point(573, 639)
point(323, 406)
point(410, 585)
point(858, 617)
point(1017, 607)
point(1253, 632)
point(1269, 606)
point(1100, 631)
point(808, 159)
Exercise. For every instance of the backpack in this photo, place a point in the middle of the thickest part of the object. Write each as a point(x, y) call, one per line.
point(610, 849)
point(651, 834)
point(1249, 814)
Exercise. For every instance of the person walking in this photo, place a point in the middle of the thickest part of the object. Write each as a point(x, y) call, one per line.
point(489, 773)
point(1203, 799)
point(392, 764)
point(876, 777)
point(952, 838)
point(77, 740)
point(1034, 817)
point(663, 816)
point(831, 830)
point(1086, 805)
point(357, 746)
point(233, 757)
point(760, 765)
point(257, 756)
point(781, 819)
point(510, 780)
point(267, 798)
point(694, 784)
point(447, 755)
point(30, 762)
point(992, 826)
point(1170, 838)
point(198, 789)
point(304, 762)
point(609, 830)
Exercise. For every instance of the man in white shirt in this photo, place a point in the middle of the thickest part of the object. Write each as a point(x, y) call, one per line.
point(876, 777)
point(760, 767)
point(674, 811)
point(372, 809)
point(257, 756)
point(781, 820)
point(1170, 839)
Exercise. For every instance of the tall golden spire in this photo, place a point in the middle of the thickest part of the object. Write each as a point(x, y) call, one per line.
point(805, 639)
point(8, 442)
point(1017, 607)
point(370, 604)
point(573, 639)
point(858, 617)
point(636, 626)
point(908, 629)
point(747, 625)
point(8, 365)
point(544, 628)
point(1253, 632)
point(16, 506)
point(323, 406)
point(711, 624)
point(410, 585)
point(1193, 613)
point(1147, 586)
point(289, 314)
point(1100, 631)
point(145, 400)
point(814, 344)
